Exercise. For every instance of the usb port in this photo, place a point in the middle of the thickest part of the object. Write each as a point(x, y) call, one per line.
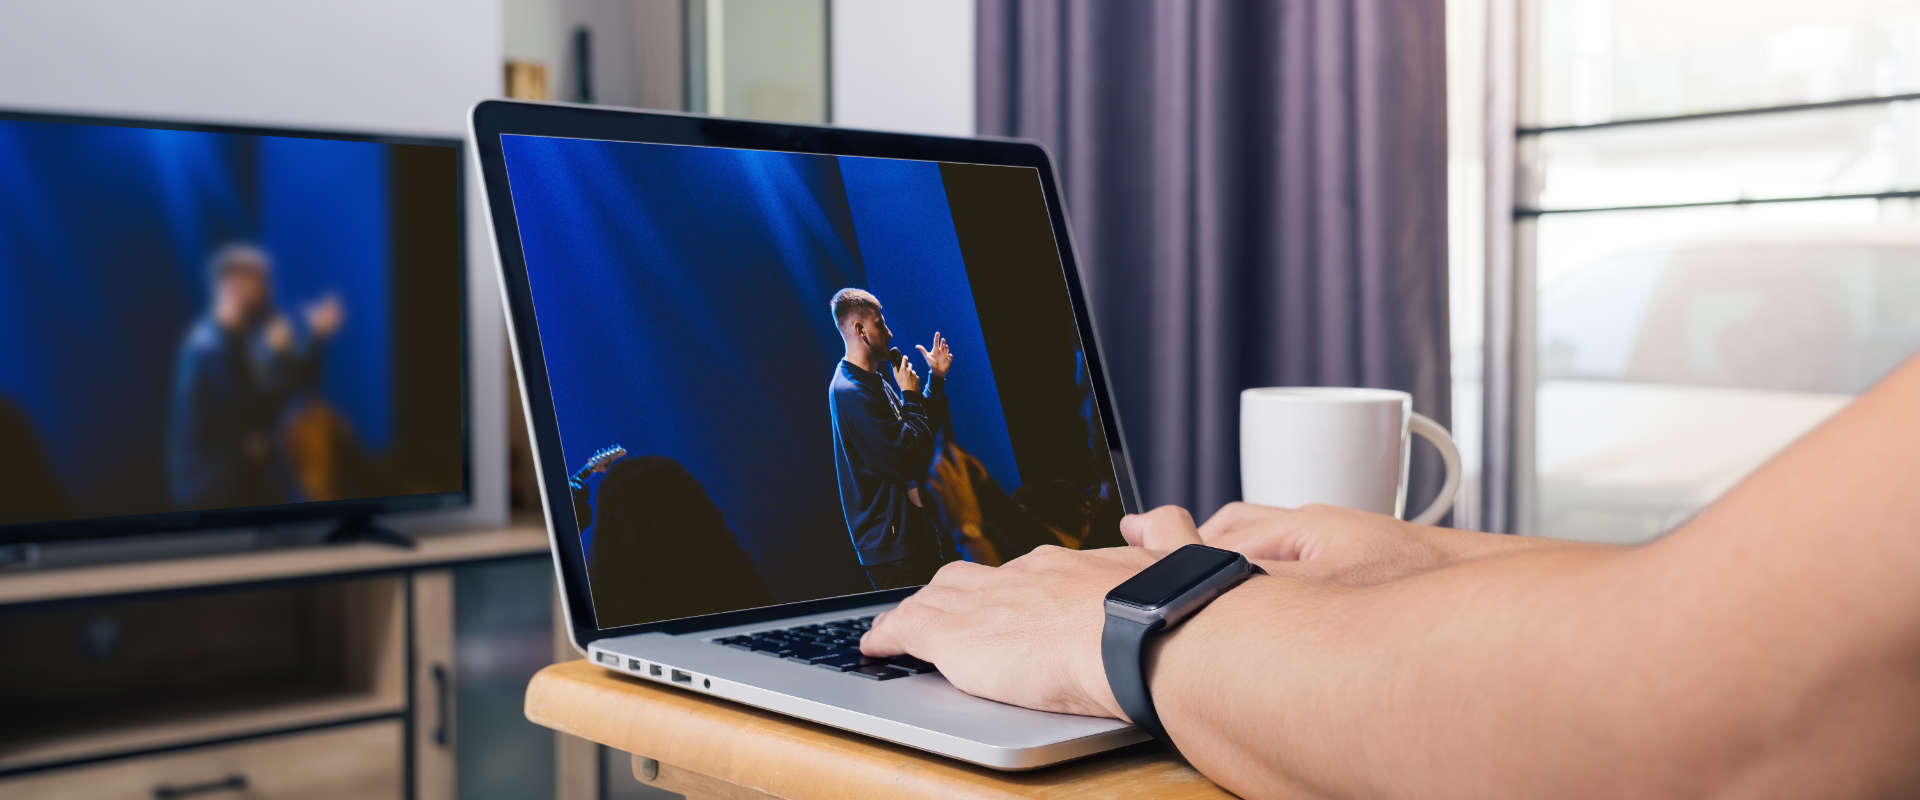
point(654, 670)
point(608, 659)
point(681, 677)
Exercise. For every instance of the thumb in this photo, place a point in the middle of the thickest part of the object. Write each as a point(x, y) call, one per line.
point(1164, 528)
point(923, 351)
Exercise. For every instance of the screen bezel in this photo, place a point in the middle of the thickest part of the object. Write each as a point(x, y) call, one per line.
point(493, 118)
point(48, 532)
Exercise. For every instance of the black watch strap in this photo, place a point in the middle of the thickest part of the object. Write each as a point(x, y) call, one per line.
point(1123, 651)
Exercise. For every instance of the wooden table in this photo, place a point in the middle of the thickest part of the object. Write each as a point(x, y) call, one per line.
point(704, 747)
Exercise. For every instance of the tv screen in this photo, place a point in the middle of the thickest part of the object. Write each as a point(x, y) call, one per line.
point(206, 325)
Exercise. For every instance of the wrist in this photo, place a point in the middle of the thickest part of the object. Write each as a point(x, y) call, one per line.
point(1152, 607)
point(1184, 663)
point(1458, 546)
point(1094, 688)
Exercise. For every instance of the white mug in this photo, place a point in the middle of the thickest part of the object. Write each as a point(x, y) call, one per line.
point(1338, 446)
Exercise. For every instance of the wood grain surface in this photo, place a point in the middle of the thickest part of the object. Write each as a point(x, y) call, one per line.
point(704, 745)
point(134, 577)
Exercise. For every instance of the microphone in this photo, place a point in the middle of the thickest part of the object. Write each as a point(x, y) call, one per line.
point(894, 356)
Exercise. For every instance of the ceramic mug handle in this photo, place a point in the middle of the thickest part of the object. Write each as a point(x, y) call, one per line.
point(1431, 431)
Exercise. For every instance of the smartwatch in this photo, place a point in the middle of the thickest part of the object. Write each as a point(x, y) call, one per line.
point(1159, 597)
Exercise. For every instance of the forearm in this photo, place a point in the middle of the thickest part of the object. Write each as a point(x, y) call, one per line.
point(1539, 674)
point(1771, 645)
point(1457, 546)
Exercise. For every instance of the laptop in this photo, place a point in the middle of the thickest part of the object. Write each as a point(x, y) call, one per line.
point(775, 375)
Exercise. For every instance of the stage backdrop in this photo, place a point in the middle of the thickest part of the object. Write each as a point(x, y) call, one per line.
point(682, 297)
point(105, 234)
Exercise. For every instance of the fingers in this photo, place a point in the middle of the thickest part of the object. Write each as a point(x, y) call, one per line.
point(1164, 528)
point(1286, 568)
point(1235, 515)
point(960, 575)
point(886, 636)
point(904, 629)
point(1259, 531)
point(926, 355)
point(1032, 558)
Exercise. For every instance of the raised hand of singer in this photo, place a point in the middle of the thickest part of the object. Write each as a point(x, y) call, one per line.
point(940, 358)
point(324, 317)
point(904, 375)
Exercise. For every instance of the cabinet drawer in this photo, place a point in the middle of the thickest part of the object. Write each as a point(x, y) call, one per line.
point(363, 762)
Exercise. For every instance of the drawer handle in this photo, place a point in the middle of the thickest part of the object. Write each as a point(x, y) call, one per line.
point(232, 783)
point(442, 704)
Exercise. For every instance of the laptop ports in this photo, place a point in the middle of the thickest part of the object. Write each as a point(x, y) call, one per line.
point(682, 677)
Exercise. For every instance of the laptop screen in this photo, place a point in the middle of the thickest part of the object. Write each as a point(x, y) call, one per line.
point(786, 376)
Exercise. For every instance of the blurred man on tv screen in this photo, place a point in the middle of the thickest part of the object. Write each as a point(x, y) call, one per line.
point(240, 368)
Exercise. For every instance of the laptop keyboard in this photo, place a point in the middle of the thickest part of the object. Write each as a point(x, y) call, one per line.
point(829, 645)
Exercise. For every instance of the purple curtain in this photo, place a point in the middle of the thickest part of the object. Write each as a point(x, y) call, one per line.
point(1258, 192)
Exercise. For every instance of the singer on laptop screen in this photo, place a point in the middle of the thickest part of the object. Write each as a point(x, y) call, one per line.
point(811, 375)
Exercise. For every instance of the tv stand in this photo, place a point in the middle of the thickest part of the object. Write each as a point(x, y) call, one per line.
point(364, 529)
point(323, 681)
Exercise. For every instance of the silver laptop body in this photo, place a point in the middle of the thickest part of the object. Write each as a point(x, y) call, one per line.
point(922, 710)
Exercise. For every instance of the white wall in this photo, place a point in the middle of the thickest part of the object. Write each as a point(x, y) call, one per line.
point(369, 65)
point(635, 47)
point(408, 67)
point(904, 65)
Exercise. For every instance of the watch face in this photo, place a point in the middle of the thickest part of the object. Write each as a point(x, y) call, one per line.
point(1171, 576)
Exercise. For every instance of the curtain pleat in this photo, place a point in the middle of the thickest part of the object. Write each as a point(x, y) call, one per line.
point(1258, 191)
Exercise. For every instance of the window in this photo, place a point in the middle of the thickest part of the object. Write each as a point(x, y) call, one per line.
point(1715, 243)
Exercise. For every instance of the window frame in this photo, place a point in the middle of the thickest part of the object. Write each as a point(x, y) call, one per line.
point(1509, 486)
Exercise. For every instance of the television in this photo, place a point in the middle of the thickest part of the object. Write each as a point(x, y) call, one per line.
point(207, 326)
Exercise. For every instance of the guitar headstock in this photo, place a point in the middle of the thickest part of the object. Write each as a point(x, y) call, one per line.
point(603, 458)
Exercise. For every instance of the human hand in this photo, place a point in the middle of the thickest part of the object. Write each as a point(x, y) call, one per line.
point(1323, 542)
point(279, 335)
point(904, 375)
point(940, 358)
point(953, 482)
point(324, 317)
point(1027, 633)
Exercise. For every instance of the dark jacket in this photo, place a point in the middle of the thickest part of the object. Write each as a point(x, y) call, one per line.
point(883, 445)
point(229, 393)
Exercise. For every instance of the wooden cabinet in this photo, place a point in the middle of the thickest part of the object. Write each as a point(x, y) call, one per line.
point(433, 681)
point(363, 762)
point(111, 677)
point(358, 671)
